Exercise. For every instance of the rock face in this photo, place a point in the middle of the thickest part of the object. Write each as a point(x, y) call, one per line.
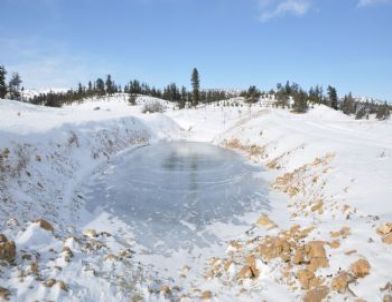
point(360, 268)
point(7, 249)
point(316, 295)
point(44, 225)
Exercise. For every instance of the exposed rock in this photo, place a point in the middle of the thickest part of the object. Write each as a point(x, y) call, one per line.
point(387, 239)
point(360, 268)
point(251, 262)
point(317, 294)
point(317, 255)
point(246, 273)
point(304, 277)
point(299, 256)
point(7, 250)
point(387, 298)
point(90, 233)
point(62, 285)
point(67, 253)
point(206, 295)
point(4, 293)
point(385, 229)
point(341, 281)
point(3, 238)
point(266, 222)
point(318, 207)
point(343, 232)
point(275, 247)
point(334, 244)
point(44, 225)
point(49, 283)
point(165, 290)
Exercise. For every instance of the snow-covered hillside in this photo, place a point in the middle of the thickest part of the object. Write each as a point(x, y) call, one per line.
point(329, 178)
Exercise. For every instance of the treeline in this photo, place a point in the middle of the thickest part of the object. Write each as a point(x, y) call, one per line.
point(291, 95)
point(288, 95)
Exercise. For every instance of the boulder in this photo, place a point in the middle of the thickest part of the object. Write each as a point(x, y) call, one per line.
point(44, 225)
point(317, 294)
point(360, 268)
point(341, 281)
point(3, 238)
point(387, 239)
point(305, 277)
point(316, 254)
point(387, 298)
point(385, 229)
point(4, 293)
point(7, 250)
point(206, 295)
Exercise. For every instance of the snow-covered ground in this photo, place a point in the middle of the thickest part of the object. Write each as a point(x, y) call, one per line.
point(327, 178)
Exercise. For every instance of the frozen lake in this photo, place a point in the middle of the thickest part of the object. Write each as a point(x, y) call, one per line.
point(170, 193)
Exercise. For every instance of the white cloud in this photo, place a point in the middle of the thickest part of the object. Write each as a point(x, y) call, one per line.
point(363, 3)
point(278, 8)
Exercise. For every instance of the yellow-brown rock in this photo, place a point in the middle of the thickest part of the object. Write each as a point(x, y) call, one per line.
point(7, 250)
point(385, 229)
point(4, 293)
point(299, 256)
point(316, 254)
point(251, 262)
point(206, 295)
point(317, 294)
point(387, 239)
point(304, 278)
point(360, 268)
point(44, 225)
point(387, 298)
point(266, 222)
point(341, 281)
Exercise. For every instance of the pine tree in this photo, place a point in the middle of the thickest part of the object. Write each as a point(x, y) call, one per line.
point(100, 86)
point(109, 84)
point(348, 106)
point(3, 85)
point(196, 87)
point(300, 102)
point(333, 97)
point(383, 112)
point(14, 86)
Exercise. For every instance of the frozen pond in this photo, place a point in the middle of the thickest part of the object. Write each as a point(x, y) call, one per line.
point(170, 193)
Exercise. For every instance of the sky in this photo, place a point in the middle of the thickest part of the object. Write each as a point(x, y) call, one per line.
point(233, 43)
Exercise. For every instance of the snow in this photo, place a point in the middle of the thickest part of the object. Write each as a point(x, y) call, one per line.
point(59, 164)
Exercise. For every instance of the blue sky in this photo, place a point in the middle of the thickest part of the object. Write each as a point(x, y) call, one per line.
point(234, 43)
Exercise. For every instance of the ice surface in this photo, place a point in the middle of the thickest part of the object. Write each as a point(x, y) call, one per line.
point(170, 192)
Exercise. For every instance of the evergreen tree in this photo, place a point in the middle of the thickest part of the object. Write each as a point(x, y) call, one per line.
point(383, 112)
point(100, 86)
point(348, 105)
point(252, 95)
point(3, 85)
point(196, 87)
point(14, 86)
point(109, 85)
point(333, 97)
point(300, 102)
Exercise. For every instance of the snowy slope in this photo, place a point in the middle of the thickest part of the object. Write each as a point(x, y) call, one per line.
point(324, 169)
